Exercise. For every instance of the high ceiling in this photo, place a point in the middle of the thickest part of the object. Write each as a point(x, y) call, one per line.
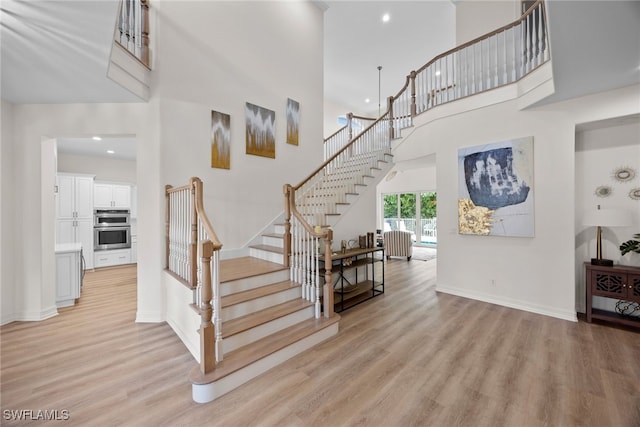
point(357, 41)
point(595, 47)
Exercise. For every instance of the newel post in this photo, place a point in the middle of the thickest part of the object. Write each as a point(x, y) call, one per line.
point(327, 290)
point(288, 198)
point(350, 126)
point(412, 76)
point(207, 332)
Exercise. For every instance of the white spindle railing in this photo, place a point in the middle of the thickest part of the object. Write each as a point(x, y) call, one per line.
point(493, 60)
point(336, 142)
point(193, 257)
point(133, 28)
point(308, 204)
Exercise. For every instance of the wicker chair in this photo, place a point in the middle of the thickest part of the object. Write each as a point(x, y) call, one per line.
point(398, 243)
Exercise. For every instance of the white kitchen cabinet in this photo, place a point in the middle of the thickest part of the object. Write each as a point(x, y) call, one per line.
point(115, 196)
point(74, 212)
point(112, 257)
point(68, 273)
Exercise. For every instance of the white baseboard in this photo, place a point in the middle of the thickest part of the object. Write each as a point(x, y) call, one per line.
point(33, 316)
point(149, 317)
point(518, 305)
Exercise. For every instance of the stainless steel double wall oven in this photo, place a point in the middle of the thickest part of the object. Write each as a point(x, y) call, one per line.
point(111, 229)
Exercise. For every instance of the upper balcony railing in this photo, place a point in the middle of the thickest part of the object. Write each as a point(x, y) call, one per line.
point(132, 32)
point(493, 60)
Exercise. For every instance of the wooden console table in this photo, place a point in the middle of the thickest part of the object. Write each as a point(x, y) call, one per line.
point(365, 285)
point(617, 282)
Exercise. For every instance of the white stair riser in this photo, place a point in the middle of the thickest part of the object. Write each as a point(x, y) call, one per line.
point(254, 334)
point(203, 393)
point(228, 288)
point(278, 242)
point(248, 307)
point(278, 228)
point(266, 255)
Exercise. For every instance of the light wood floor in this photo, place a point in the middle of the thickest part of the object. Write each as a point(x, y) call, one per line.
point(408, 358)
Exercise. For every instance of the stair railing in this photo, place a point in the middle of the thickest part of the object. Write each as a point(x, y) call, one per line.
point(193, 258)
point(133, 29)
point(307, 236)
point(493, 60)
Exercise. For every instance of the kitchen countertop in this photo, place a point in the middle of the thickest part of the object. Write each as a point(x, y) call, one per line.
point(68, 247)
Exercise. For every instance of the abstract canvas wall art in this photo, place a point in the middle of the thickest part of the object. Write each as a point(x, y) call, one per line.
point(220, 140)
point(260, 131)
point(293, 112)
point(495, 189)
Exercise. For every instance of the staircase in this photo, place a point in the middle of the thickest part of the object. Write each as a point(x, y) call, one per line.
point(265, 319)
point(258, 311)
point(265, 322)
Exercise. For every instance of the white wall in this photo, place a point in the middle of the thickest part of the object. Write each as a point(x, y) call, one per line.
point(7, 194)
point(535, 274)
point(333, 110)
point(475, 18)
point(598, 153)
point(218, 56)
point(103, 168)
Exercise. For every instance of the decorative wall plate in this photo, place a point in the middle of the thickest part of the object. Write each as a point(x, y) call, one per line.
point(634, 194)
point(624, 174)
point(603, 191)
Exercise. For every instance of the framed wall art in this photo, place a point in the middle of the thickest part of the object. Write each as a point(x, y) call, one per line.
point(260, 131)
point(220, 140)
point(293, 112)
point(495, 189)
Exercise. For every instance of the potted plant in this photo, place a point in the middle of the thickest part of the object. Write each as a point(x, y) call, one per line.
point(631, 245)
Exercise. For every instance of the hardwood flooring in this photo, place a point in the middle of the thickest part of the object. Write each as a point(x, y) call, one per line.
point(410, 357)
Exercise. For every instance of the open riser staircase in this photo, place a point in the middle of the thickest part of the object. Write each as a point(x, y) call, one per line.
point(258, 311)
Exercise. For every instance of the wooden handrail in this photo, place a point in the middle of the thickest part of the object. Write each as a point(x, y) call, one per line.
point(215, 241)
point(485, 36)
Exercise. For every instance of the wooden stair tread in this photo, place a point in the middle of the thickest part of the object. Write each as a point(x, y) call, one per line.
point(251, 294)
point(243, 267)
point(264, 347)
point(274, 235)
point(268, 248)
point(241, 324)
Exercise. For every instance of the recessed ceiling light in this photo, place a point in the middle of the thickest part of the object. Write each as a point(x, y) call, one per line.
point(367, 100)
point(386, 17)
point(96, 138)
point(111, 152)
point(438, 73)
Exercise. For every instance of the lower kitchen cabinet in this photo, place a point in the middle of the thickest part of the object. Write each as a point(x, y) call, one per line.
point(69, 270)
point(112, 257)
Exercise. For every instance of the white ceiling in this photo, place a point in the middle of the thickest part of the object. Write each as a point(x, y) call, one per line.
point(357, 41)
point(122, 147)
point(57, 51)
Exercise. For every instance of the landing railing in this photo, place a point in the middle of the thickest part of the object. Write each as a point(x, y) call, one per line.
point(192, 257)
point(496, 59)
point(337, 141)
point(133, 29)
